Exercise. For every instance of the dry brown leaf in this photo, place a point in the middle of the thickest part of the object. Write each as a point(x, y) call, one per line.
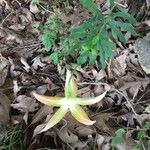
point(9, 36)
point(44, 111)
point(119, 65)
point(83, 131)
point(100, 140)
point(84, 92)
point(5, 3)
point(37, 63)
point(17, 27)
point(26, 17)
point(101, 122)
point(34, 9)
point(38, 129)
point(17, 88)
point(26, 65)
point(144, 118)
point(25, 104)
point(4, 64)
point(4, 111)
point(13, 66)
point(80, 145)
point(42, 89)
point(106, 145)
point(66, 135)
point(103, 142)
point(142, 48)
point(128, 117)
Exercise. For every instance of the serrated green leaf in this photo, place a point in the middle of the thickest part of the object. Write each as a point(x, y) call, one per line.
point(106, 52)
point(105, 47)
point(85, 48)
point(92, 59)
point(111, 2)
point(90, 36)
point(117, 34)
point(126, 16)
point(110, 47)
point(102, 54)
point(83, 29)
point(91, 6)
point(82, 59)
point(95, 40)
point(86, 25)
point(125, 27)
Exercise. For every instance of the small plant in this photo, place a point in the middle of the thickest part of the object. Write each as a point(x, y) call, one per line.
point(92, 37)
point(14, 139)
point(68, 103)
point(118, 137)
point(143, 137)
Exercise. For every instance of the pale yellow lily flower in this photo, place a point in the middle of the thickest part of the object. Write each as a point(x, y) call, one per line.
point(68, 103)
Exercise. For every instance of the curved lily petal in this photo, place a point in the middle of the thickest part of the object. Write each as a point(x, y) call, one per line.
point(70, 86)
point(79, 114)
point(89, 101)
point(47, 100)
point(56, 118)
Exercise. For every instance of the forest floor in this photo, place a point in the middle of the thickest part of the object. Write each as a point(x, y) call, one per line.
point(122, 117)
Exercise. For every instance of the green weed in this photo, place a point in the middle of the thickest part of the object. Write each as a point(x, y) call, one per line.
point(118, 137)
point(143, 137)
point(91, 39)
point(13, 140)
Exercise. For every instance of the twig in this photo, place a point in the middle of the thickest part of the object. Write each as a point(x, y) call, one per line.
point(129, 103)
point(5, 18)
point(45, 9)
point(120, 5)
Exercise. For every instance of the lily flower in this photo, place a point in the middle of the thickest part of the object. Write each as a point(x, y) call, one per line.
point(68, 103)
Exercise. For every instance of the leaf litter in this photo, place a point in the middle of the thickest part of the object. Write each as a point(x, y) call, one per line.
point(26, 65)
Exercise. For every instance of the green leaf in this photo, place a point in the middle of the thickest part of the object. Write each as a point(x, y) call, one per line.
point(91, 6)
point(118, 138)
point(125, 27)
point(111, 2)
point(82, 59)
point(46, 40)
point(55, 57)
point(105, 47)
point(117, 34)
point(126, 16)
point(90, 36)
point(83, 29)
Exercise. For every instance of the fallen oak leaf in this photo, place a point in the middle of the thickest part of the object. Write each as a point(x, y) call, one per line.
point(25, 104)
point(4, 111)
point(66, 135)
point(69, 103)
point(4, 65)
point(44, 111)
